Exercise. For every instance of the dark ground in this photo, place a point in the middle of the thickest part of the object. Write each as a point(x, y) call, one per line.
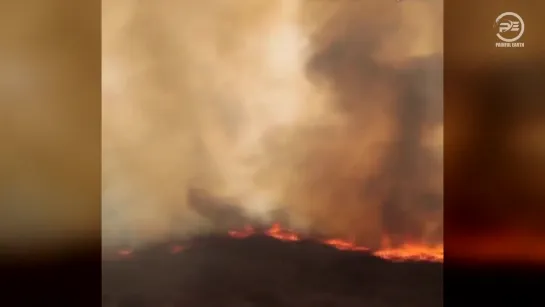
point(262, 272)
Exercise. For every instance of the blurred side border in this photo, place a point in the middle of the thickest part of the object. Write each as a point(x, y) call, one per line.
point(494, 210)
point(57, 263)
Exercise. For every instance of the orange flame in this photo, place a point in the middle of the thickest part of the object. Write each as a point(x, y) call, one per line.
point(408, 251)
point(281, 234)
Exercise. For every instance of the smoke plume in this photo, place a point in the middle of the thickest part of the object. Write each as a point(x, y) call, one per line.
point(326, 115)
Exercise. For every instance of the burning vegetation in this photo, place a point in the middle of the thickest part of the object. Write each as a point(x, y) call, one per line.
point(320, 110)
point(406, 252)
point(288, 152)
point(272, 267)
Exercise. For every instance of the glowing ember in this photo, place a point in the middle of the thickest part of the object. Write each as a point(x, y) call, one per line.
point(240, 234)
point(175, 249)
point(281, 234)
point(125, 253)
point(344, 245)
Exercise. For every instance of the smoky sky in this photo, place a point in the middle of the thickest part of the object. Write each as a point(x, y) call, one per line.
point(325, 115)
point(346, 59)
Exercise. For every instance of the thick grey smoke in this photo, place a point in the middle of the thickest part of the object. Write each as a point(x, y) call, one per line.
point(219, 112)
point(381, 173)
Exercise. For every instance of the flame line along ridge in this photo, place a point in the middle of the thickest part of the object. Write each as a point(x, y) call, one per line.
point(406, 252)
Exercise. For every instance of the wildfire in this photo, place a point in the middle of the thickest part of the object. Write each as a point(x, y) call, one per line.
point(406, 252)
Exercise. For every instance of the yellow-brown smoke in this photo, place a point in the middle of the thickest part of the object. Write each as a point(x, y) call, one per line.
point(328, 112)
